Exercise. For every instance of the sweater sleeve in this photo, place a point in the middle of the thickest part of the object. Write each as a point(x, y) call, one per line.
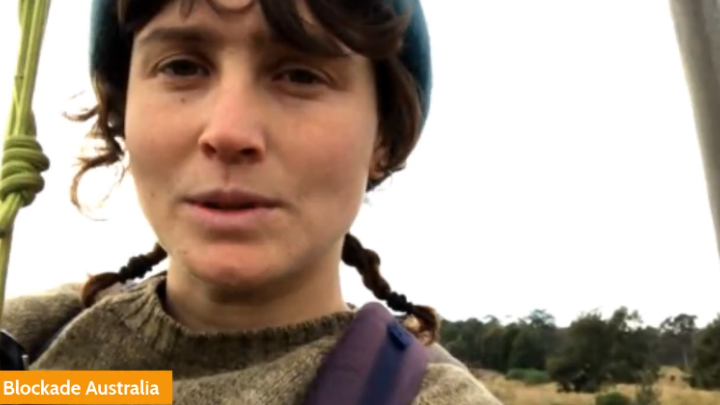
point(34, 319)
point(447, 384)
point(439, 354)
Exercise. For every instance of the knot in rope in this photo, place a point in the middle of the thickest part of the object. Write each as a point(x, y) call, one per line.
point(23, 162)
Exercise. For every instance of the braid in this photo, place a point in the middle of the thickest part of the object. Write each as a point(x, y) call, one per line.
point(136, 267)
point(367, 263)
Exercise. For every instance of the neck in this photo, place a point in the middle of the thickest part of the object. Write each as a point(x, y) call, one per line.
point(302, 297)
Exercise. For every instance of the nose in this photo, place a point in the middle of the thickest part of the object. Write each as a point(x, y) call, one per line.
point(235, 129)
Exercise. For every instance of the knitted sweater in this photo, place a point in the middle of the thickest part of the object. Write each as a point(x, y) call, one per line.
point(131, 331)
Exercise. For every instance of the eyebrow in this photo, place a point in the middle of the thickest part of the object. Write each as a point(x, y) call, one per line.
point(199, 36)
point(190, 35)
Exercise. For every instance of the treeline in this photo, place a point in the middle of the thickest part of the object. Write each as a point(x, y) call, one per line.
point(593, 351)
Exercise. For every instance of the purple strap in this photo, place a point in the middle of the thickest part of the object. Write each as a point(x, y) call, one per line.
point(376, 362)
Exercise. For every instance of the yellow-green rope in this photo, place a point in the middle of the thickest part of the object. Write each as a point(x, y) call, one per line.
point(23, 159)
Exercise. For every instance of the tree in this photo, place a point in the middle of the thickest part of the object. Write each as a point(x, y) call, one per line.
point(540, 319)
point(493, 353)
point(463, 340)
point(676, 339)
point(534, 341)
point(592, 351)
point(528, 350)
point(632, 354)
point(705, 369)
point(598, 352)
point(581, 365)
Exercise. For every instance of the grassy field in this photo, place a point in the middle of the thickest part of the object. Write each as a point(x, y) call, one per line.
point(673, 390)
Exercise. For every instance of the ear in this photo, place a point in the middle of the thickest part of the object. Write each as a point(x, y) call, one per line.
point(378, 163)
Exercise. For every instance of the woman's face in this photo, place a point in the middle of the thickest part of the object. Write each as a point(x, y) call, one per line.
point(250, 159)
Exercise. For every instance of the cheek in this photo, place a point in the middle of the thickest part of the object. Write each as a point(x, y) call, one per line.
point(152, 143)
point(334, 154)
point(153, 129)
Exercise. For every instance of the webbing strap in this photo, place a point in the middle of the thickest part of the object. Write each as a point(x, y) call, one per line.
point(23, 159)
point(376, 362)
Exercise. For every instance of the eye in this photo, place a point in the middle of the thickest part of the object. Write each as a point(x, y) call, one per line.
point(183, 68)
point(301, 76)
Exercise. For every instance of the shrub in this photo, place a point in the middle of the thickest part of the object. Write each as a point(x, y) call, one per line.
point(613, 398)
point(647, 393)
point(528, 376)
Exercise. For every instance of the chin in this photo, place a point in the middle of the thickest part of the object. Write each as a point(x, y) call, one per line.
point(233, 267)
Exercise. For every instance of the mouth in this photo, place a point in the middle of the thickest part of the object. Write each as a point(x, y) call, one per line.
point(230, 201)
point(230, 206)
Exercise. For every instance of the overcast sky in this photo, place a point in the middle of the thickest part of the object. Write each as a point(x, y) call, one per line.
point(559, 168)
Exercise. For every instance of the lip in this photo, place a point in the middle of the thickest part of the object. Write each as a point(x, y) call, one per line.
point(230, 211)
point(233, 198)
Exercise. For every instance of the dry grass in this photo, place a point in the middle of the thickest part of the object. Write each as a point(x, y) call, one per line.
point(674, 391)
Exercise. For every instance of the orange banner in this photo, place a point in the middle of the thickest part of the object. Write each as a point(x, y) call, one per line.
point(86, 387)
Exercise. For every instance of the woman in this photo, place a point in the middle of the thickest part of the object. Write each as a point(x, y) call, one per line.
point(253, 129)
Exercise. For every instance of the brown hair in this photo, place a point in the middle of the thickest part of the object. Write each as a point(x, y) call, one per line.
point(370, 28)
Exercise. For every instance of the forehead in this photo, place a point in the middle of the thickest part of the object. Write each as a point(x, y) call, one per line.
point(183, 11)
point(230, 21)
